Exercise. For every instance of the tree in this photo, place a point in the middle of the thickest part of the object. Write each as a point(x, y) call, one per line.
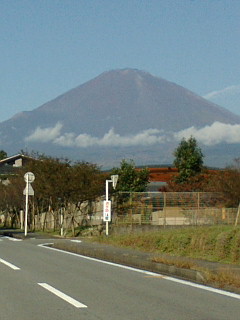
point(227, 182)
point(197, 183)
point(56, 179)
point(3, 154)
point(188, 159)
point(131, 179)
point(59, 185)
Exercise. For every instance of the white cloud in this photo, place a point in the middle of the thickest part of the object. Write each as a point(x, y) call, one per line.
point(231, 90)
point(111, 139)
point(45, 134)
point(72, 140)
point(211, 135)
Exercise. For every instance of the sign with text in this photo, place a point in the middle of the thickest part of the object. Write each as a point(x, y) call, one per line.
point(106, 210)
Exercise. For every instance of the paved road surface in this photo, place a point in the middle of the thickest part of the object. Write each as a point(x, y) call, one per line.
point(40, 283)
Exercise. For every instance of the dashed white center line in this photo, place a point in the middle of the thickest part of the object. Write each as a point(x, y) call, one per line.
point(62, 295)
point(10, 265)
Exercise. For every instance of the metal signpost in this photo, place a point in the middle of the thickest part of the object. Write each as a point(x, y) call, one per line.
point(28, 191)
point(107, 203)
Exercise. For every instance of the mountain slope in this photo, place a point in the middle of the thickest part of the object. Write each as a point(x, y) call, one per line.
point(129, 100)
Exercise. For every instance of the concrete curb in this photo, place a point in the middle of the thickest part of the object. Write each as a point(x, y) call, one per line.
point(144, 261)
point(129, 257)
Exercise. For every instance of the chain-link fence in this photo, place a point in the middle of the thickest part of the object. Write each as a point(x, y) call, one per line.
point(173, 208)
point(138, 208)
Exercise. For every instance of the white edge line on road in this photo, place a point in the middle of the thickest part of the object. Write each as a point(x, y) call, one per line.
point(10, 265)
point(62, 295)
point(184, 282)
point(12, 239)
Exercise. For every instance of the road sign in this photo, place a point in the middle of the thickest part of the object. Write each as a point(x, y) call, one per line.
point(30, 190)
point(29, 177)
point(114, 179)
point(106, 210)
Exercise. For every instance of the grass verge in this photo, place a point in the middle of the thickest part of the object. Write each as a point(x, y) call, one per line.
point(178, 246)
point(214, 243)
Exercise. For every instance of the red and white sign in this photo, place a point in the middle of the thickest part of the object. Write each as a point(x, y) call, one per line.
point(106, 210)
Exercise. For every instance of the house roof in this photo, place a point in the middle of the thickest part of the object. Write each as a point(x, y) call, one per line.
point(11, 165)
point(11, 160)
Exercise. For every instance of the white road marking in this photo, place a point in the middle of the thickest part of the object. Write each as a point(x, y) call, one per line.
point(12, 239)
point(149, 273)
point(78, 241)
point(200, 286)
point(62, 295)
point(10, 265)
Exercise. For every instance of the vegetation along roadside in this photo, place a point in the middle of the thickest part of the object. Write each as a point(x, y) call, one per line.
point(183, 247)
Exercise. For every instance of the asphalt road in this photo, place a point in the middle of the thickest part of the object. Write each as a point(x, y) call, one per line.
point(40, 283)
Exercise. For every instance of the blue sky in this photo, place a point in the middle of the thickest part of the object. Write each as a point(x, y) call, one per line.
point(51, 46)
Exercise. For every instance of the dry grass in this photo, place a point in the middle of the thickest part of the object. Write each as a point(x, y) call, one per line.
point(178, 246)
point(223, 278)
point(174, 261)
point(215, 243)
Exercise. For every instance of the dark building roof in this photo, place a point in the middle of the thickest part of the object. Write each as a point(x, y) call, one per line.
point(17, 160)
point(10, 165)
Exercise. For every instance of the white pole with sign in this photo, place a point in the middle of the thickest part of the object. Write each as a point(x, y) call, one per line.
point(107, 210)
point(28, 191)
point(107, 203)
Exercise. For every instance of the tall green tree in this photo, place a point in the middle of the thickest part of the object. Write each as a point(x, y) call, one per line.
point(131, 179)
point(188, 159)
